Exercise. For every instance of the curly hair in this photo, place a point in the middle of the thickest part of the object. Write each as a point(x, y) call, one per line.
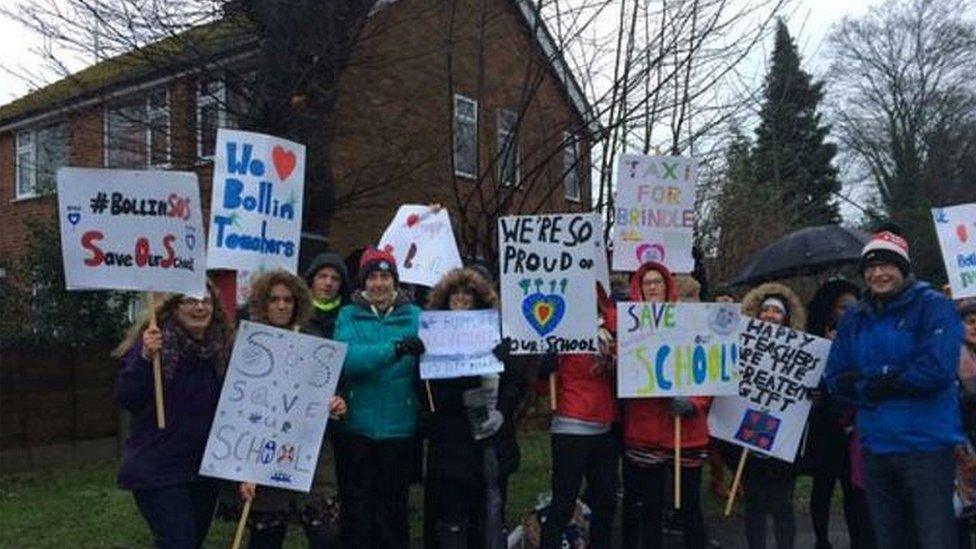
point(166, 305)
point(261, 285)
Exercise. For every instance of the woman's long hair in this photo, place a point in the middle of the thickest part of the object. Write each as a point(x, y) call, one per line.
point(261, 285)
point(166, 309)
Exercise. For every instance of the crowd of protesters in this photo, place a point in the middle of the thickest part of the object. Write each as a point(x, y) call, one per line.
point(892, 421)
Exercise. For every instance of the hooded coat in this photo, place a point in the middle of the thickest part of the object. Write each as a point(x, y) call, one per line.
point(452, 452)
point(913, 338)
point(648, 422)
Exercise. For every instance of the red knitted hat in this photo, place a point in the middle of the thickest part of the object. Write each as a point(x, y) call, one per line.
point(376, 260)
point(888, 247)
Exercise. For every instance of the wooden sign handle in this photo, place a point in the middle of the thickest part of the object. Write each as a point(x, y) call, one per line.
point(430, 396)
point(735, 481)
point(157, 367)
point(677, 462)
point(242, 522)
point(552, 391)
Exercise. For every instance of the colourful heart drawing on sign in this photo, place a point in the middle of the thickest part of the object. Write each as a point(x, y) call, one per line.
point(74, 218)
point(284, 161)
point(650, 252)
point(543, 312)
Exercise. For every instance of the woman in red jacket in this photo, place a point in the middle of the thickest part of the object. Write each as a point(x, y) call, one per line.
point(649, 443)
point(582, 443)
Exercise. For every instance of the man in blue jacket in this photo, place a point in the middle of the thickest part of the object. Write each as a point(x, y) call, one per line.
point(895, 358)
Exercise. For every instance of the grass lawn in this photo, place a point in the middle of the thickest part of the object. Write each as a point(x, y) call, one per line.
point(81, 507)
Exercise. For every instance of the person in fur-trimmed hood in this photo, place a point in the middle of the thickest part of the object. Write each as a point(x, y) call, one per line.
point(473, 423)
point(769, 483)
point(375, 444)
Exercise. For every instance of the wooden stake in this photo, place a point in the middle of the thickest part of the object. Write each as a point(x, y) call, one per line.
point(735, 481)
point(242, 523)
point(677, 462)
point(552, 391)
point(430, 395)
point(157, 367)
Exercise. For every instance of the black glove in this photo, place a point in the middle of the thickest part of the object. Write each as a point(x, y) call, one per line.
point(410, 345)
point(816, 396)
point(845, 382)
point(885, 387)
point(548, 365)
point(503, 351)
point(683, 406)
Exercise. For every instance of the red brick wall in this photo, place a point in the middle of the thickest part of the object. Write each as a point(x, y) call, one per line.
point(393, 139)
point(393, 128)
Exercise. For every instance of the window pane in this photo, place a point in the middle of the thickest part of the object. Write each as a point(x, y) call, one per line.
point(465, 148)
point(25, 172)
point(508, 120)
point(23, 138)
point(126, 141)
point(159, 139)
point(52, 153)
point(208, 129)
point(464, 108)
point(570, 169)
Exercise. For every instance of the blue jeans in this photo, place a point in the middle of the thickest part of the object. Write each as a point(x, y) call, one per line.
point(179, 516)
point(910, 499)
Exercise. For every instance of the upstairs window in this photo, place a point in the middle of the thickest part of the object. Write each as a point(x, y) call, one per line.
point(137, 132)
point(40, 153)
point(571, 180)
point(508, 147)
point(211, 114)
point(465, 137)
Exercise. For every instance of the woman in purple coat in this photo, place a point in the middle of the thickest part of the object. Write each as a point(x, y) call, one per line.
point(160, 466)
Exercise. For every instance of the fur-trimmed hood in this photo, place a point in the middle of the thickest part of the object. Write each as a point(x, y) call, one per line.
point(440, 295)
point(755, 297)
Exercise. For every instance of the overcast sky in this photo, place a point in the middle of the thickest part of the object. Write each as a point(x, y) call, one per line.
point(809, 22)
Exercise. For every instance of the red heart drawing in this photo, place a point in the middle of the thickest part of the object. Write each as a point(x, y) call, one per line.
point(284, 161)
point(962, 233)
point(388, 248)
point(544, 311)
point(412, 220)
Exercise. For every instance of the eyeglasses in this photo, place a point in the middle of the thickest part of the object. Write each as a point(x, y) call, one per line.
point(190, 302)
point(655, 282)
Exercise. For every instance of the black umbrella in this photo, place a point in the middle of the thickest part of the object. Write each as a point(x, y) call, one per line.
point(806, 251)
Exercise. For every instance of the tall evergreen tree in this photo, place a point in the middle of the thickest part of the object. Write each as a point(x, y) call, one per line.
point(790, 154)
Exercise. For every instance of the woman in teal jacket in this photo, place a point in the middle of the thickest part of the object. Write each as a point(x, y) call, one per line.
point(375, 443)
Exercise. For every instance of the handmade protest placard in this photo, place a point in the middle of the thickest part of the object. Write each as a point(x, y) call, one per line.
point(422, 241)
point(672, 349)
point(273, 408)
point(956, 227)
point(547, 282)
point(777, 367)
point(256, 204)
point(654, 212)
point(459, 343)
point(131, 230)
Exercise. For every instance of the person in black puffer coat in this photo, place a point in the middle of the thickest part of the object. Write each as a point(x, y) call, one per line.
point(471, 448)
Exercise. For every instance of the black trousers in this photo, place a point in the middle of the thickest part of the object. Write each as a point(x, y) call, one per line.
point(855, 511)
point(646, 501)
point(374, 483)
point(179, 516)
point(573, 458)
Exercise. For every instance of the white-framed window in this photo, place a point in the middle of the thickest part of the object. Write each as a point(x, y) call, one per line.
point(465, 137)
point(571, 180)
point(137, 132)
point(40, 152)
point(211, 114)
point(508, 148)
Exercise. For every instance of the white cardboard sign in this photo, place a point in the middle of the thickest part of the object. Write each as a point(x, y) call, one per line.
point(459, 343)
point(672, 349)
point(131, 230)
point(273, 408)
point(777, 367)
point(654, 212)
point(548, 285)
point(422, 241)
point(256, 204)
point(956, 227)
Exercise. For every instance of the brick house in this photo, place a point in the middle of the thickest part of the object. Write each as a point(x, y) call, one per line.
point(484, 117)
